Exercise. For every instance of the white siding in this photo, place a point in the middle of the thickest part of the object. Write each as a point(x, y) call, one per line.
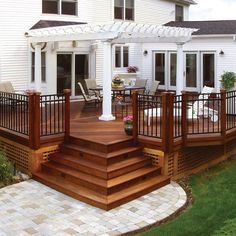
point(156, 11)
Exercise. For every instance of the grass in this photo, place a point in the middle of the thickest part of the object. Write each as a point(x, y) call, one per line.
point(214, 209)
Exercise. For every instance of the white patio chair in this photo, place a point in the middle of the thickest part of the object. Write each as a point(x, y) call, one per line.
point(92, 84)
point(87, 98)
point(153, 88)
point(194, 111)
point(141, 83)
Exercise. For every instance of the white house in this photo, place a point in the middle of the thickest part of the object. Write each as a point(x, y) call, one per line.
point(65, 62)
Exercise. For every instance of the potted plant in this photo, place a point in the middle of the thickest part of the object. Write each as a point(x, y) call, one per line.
point(228, 80)
point(117, 81)
point(132, 69)
point(128, 125)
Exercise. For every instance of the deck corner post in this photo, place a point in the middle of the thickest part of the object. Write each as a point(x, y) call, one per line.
point(135, 116)
point(34, 120)
point(171, 122)
point(223, 113)
point(67, 94)
point(167, 129)
point(184, 117)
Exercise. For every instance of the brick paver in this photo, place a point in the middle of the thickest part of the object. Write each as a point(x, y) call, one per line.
point(30, 208)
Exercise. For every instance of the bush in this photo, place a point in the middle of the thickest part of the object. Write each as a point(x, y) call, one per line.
point(228, 80)
point(6, 169)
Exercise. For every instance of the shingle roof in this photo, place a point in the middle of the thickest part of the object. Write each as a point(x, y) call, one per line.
point(53, 23)
point(207, 27)
point(184, 1)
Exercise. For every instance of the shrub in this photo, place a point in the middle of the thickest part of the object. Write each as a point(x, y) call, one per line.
point(6, 169)
point(228, 80)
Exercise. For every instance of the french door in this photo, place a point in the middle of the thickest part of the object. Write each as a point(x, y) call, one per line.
point(192, 82)
point(71, 69)
point(208, 69)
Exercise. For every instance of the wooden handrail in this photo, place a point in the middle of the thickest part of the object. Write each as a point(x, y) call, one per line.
point(67, 94)
point(135, 116)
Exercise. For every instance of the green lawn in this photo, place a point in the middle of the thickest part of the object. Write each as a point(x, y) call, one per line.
point(214, 210)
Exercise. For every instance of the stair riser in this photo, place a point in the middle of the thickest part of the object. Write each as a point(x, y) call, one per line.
point(84, 183)
point(137, 195)
point(85, 169)
point(128, 169)
point(101, 147)
point(83, 155)
point(98, 159)
point(133, 181)
point(72, 194)
point(116, 159)
point(103, 174)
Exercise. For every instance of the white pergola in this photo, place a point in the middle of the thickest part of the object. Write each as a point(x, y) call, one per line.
point(112, 33)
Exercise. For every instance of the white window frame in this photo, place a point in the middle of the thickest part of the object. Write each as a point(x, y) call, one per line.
point(122, 67)
point(178, 5)
point(59, 10)
point(124, 15)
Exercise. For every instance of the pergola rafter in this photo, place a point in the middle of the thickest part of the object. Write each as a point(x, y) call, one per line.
point(112, 33)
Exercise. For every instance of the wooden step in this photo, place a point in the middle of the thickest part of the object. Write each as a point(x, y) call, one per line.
point(78, 192)
point(101, 157)
point(105, 172)
point(135, 191)
point(92, 182)
point(101, 146)
point(98, 184)
point(97, 199)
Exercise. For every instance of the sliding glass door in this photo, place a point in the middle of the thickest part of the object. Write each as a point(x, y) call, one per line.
point(160, 69)
point(71, 69)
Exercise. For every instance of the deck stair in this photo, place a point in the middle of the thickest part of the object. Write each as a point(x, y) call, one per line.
point(103, 175)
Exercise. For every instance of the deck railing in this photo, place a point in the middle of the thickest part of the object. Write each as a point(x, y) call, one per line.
point(34, 116)
point(14, 112)
point(169, 118)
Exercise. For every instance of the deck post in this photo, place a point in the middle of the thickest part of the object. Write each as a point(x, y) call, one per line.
point(34, 120)
point(135, 116)
point(171, 122)
point(67, 94)
point(165, 122)
point(223, 119)
point(184, 124)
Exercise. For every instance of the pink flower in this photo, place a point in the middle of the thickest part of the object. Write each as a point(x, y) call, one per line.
point(128, 119)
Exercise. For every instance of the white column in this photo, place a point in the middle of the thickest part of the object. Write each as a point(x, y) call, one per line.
point(37, 68)
point(107, 80)
point(180, 69)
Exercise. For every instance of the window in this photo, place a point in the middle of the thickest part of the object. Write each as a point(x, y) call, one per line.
point(173, 68)
point(124, 10)
point(121, 56)
point(179, 13)
point(43, 66)
point(65, 7)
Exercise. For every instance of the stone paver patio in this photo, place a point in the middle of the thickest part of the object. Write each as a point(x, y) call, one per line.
point(30, 208)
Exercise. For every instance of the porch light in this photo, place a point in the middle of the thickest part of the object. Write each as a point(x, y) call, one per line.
point(222, 52)
point(145, 52)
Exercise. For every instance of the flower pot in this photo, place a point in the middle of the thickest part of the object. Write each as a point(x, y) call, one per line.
point(128, 127)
